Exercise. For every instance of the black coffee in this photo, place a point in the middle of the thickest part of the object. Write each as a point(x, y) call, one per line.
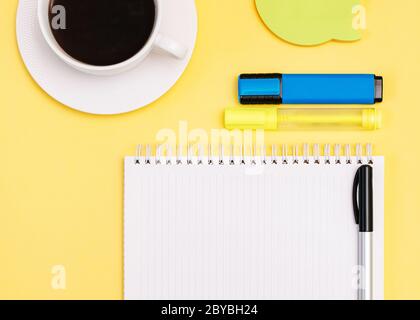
point(102, 32)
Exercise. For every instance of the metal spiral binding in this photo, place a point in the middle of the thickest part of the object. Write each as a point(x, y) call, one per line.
point(306, 153)
point(232, 155)
point(221, 154)
point(189, 155)
point(200, 154)
point(284, 154)
point(210, 155)
point(327, 154)
point(317, 154)
point(254, 155)
point(348, 154)
point(168, 155)
point(337, 154)
point(274, 152)
point(148, 154)
point(137, 158)
point(243, 161)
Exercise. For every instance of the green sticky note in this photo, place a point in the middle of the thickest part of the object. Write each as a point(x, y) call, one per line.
point(312, 22)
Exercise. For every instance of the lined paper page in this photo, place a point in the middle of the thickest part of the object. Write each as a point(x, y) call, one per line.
point(240, 232)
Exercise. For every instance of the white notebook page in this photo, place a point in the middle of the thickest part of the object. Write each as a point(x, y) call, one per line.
point(245, 232)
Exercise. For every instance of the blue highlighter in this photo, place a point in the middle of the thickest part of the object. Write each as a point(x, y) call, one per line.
point(279, 88)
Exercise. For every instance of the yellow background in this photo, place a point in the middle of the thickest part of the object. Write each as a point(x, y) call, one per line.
point(61, 171)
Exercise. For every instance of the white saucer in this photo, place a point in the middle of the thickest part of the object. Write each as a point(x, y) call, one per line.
point(114, 94)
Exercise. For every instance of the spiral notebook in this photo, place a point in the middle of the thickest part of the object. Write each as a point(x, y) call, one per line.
point(247, 227)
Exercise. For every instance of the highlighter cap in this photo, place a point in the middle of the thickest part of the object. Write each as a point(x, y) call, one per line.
point(372, 119)
point(251, 118)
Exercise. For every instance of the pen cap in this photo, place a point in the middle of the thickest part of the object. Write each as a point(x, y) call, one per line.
point(372, 119)
point(251, 118)
point(363, 198)
point(260, 88)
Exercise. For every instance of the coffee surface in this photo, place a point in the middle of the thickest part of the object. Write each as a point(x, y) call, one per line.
point(103, 32)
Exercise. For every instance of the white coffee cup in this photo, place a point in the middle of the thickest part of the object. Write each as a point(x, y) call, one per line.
point(156, 41)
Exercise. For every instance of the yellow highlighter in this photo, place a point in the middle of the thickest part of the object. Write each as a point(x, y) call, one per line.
point(302, 119)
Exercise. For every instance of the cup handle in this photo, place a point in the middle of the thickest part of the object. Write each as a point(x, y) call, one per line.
point(172, 47)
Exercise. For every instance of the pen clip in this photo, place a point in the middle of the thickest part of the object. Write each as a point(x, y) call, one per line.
point(355, 196)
